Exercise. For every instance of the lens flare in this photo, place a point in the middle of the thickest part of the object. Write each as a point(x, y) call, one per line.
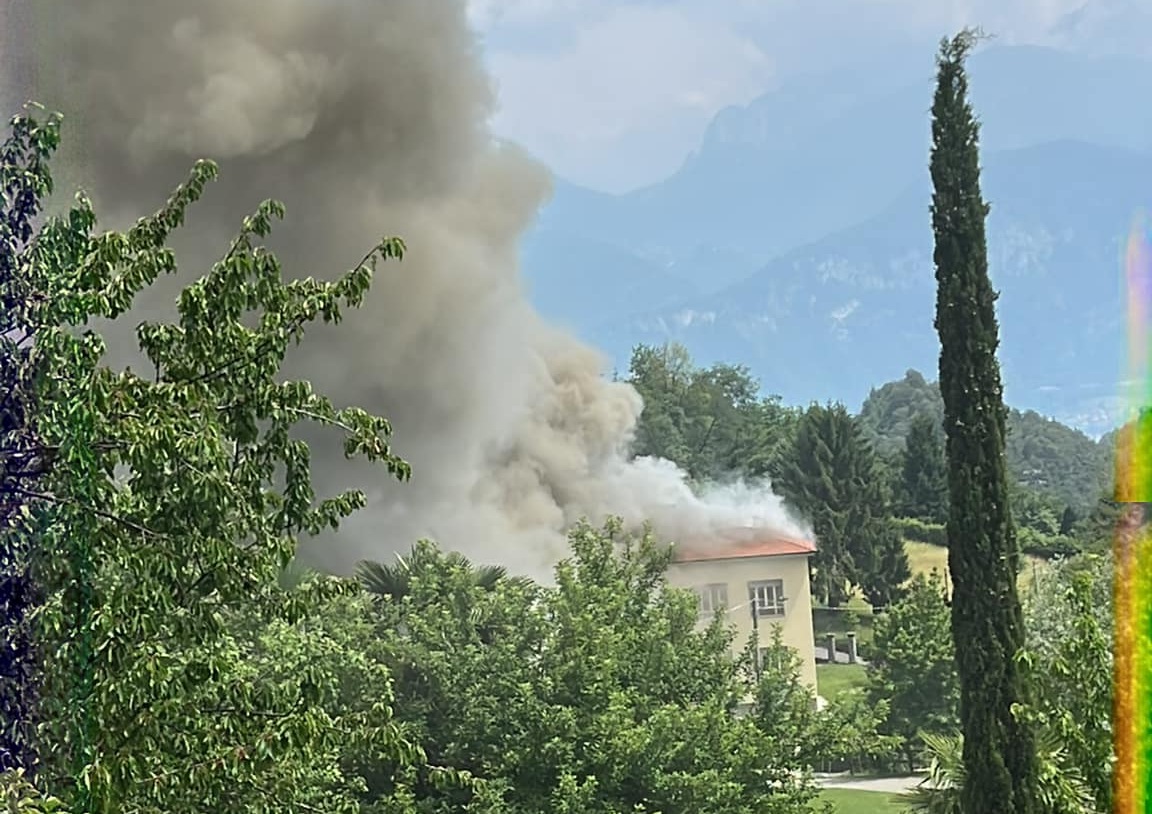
point(1132, 712)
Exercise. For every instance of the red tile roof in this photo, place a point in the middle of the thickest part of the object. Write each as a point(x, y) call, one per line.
point(740, 543)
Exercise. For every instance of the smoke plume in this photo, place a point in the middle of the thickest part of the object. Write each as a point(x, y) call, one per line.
point(370, 119)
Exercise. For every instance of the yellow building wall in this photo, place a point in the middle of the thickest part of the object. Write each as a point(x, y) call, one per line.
point(736, 573)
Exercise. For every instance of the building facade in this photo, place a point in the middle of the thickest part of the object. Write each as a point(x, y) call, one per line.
point(761, 580)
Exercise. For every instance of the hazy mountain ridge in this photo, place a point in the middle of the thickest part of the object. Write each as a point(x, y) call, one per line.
point(863, 299)
point(1064, 181)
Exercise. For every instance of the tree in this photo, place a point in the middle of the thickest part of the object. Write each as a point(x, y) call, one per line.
point(395, 581)
point(785, 711)
point(1043, 454)
point(924, 472)
point(987, 623)
point(21, 795)
point(1061, 789)
point(1069, 617)
point(1068, 521)
point(24, 181)
point(598, 694)
point(853, 730)
point(711, 422)
point(663, 378)
point(889, 410)
point(913, 666)
point(882, 568)
point(173, 503)
point(1095, 531)
point(1068, 611)
point(830, 478)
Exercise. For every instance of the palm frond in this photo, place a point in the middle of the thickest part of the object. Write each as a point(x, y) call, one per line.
point(392, 581)
point(1061, 787)
point(487, 577)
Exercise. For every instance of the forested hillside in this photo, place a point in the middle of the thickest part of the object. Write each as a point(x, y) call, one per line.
point(716, 423)
point(1055, 459)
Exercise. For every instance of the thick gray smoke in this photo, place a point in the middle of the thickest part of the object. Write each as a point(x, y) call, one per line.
point(370, 119)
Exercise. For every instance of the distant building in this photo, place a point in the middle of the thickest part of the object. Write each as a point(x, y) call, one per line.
point(749, 568)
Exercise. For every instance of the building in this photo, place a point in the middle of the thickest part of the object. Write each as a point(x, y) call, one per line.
point(749, 568)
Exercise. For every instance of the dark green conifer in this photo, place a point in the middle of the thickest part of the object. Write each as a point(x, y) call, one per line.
point(987, 623)
point(924, 473)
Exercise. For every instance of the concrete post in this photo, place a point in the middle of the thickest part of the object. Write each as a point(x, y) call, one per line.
point(831, 648)
point(852, 656)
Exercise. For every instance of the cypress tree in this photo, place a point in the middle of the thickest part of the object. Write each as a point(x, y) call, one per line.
point(987, 623)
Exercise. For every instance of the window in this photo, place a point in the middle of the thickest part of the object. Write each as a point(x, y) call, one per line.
point(713, 597)
point(768, 597)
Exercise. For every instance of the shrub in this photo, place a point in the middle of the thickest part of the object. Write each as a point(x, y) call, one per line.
point(921, 532)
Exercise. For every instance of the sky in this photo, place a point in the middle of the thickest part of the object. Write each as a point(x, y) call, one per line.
point(614, 94)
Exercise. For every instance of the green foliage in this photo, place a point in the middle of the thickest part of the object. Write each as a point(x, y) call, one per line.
point(1133, 473)
point(1060, 789)
point(1069, 655)
point(1044, 456)
point(25, 179)
point(395, 581)
point(889, 411)
point(1057, 460)
point(175, 676)
point(857, 740)
point(882, 565)
point(845, 732)
point(598, 694)
point(711, 422)
point(1036, 511)
point(921, 532)
point(1069, 613)
point(1068, 521)
point(988, 627)
point(22, 797)
point(1094, 531)
point(913, 666)
point(1040, 520)
point(830, 478)
point(924, 472)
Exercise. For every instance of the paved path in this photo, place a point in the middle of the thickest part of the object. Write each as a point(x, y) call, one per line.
point(892, 785)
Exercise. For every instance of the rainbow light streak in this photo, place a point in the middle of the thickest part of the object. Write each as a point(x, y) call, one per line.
point(1132, 705)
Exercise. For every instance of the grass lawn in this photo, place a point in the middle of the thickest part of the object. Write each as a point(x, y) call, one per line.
point(922, 559)
point(852, 801)
point(834, 679)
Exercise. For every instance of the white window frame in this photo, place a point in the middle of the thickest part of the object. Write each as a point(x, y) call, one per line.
point(769, 597)
point(713, 597)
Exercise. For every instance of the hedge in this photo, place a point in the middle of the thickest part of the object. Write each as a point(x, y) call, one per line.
point(921, 532)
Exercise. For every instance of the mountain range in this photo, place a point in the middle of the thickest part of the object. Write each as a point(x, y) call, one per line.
point(796, 240)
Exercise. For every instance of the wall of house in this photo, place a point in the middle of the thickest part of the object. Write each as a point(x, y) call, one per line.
point(736, 573)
